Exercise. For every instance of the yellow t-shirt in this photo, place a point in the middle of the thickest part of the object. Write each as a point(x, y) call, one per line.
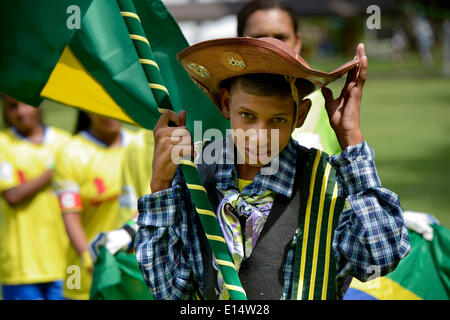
point(33, 240)
point(87, 180)
point(136, 173)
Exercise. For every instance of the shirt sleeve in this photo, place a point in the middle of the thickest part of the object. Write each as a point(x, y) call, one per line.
point(8, 178)
point(65, 183)
point(166, 246)
point(371, 237)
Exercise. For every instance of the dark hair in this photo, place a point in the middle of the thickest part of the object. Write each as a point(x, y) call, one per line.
point(256, 5)
point(264, 84)
point(83, 122)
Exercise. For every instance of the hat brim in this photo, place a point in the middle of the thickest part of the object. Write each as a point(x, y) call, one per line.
point(211, 62)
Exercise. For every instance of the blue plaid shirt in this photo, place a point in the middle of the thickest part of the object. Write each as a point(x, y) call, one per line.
point(371, 231)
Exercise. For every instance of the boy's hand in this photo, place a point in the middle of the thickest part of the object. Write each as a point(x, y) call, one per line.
point(171, 144)
point(344, 112)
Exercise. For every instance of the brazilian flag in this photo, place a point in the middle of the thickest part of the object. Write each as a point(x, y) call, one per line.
point(424, 274)
point(81, 53)
point(116, 58)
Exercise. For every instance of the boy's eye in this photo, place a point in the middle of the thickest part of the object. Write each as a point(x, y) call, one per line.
point(279, 120)
point(247, 115)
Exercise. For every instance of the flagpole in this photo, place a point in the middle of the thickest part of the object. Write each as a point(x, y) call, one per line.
point(197, 191)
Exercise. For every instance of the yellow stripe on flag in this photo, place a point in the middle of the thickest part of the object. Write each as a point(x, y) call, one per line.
point(196, 187)
point(149, 62)
point(158, 87)
point(206, 212)
point(130, 15)
point(139, 38)
point(215, 238)
point(234, 288)
point(384, 288)
point(226, 263)
point(71, 84)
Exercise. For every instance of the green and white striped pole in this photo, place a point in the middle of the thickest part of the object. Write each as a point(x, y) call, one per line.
point(197, 191)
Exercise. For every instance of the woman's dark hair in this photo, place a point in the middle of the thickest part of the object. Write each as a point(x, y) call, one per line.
point(256, 5)
point(83, 122)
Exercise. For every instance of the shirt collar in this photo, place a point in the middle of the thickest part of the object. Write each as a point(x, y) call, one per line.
point(281, 182)
point(44, 139)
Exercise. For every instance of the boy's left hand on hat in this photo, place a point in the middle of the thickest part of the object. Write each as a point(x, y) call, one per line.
point(344, 112)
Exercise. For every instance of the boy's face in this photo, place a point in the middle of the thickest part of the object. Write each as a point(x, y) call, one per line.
point(262, 125)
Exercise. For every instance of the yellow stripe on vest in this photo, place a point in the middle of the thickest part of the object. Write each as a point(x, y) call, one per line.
point(318, 229)
point(149, 62)
point(205, 212)
point(215, 238)
point(328, 247)
point(159, 87)
point(130, 15)
point(139, 38)
point(306, 229)
point(196, 187)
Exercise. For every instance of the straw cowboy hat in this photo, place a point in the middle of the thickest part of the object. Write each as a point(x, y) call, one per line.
point(210, 62)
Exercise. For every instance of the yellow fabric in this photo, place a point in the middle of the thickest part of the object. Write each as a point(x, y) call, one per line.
point(89, 171)
point(71, 84)
point(306, 135)
point(33, 240)
point(306, 229)
point(384, 288)
point(243, 183)
point(136, 173)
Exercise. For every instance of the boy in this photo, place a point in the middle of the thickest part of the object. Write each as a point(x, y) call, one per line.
point(287, 232)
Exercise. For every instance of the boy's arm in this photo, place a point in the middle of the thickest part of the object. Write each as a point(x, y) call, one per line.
point(162, 240)
point(371, 237)
point(166, 245)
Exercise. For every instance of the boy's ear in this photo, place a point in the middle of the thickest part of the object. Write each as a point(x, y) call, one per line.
point(225, 101)
point(298, 43)
point(303, 112)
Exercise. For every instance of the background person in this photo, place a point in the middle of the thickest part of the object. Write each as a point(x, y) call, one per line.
point(33, 242)
point(276, 19)
point(88, 185)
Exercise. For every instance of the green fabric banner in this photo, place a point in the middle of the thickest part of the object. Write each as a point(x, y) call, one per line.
point(33, 35)
point(118, 278)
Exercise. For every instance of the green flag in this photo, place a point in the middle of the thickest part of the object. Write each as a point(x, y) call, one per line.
point(96, 67)
point(120, 63)
point(423, 274)
point(118, 278)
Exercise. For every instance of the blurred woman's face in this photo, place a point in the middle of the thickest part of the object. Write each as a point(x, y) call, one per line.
point(20, 115)
point(275, 23)
point(104, 125)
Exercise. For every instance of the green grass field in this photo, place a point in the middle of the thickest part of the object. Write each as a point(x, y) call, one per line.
point(405, 118)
